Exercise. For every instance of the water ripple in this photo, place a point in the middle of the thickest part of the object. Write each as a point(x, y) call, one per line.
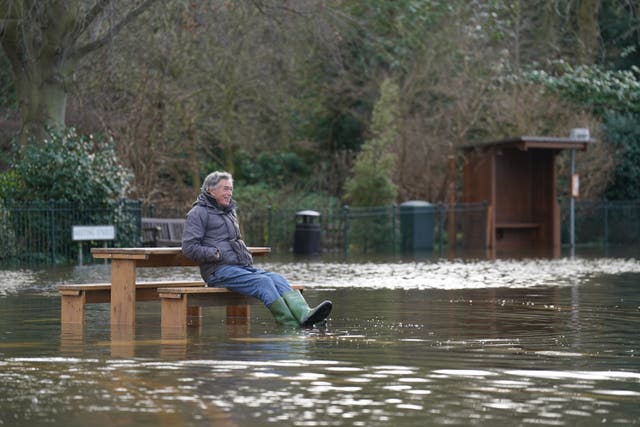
point(445, 274)
point(303, 389)
point(13, 280)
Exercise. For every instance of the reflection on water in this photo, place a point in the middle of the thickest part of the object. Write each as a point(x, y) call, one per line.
point(551, 342)
point(455, 275)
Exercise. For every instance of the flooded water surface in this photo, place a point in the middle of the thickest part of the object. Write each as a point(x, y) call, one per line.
point(409, 343)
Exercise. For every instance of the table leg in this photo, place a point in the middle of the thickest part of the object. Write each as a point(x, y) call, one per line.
point(123, 292)
point(123, 340)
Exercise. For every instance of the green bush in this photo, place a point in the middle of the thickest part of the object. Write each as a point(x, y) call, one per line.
point(623, 131)
point(591, 86)
point(7, 234)
point(65, 180)
point(370, 184)
point(67, 167)
point(278, 168)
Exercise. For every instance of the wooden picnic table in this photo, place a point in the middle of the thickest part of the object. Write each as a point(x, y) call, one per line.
point(125, 261)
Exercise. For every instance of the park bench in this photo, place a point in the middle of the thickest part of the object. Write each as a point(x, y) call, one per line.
point(74, 298)
point(159, 232)
point(180, 305)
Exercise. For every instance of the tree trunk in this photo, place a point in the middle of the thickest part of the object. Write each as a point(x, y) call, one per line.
point(42, 99)
point(36, 38)
point(42, 40)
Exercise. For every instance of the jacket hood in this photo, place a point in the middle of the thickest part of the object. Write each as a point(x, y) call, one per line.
point(206, 200)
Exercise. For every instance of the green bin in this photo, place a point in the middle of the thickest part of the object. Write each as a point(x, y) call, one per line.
point(416, 226)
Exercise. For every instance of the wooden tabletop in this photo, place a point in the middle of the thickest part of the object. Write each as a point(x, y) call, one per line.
point(158, 257)
point(255, 250)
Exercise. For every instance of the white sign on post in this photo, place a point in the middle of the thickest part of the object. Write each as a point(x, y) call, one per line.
point(84, 233)
point(93, 232)
point(575, 185)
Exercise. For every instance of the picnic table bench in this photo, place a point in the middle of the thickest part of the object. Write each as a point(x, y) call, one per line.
point(180, 305)
point(123, 291)
point(74, 298)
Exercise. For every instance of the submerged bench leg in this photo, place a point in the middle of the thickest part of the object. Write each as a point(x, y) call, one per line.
point(72, 307)
point(174, 311)
point(238, 314)
point(72, 337)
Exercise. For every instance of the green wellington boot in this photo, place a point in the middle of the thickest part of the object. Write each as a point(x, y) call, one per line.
point(303, 313)
point(282, 314)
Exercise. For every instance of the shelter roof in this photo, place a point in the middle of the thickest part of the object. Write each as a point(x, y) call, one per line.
point(525, 143)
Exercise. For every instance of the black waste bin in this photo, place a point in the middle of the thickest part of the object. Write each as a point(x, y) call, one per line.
point(307, 234)
point(416, 226)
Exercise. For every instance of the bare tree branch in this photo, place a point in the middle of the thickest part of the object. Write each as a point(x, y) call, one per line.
point(95, 11)
point(132, 15)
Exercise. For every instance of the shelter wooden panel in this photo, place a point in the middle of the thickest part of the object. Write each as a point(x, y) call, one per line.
point(478, 186)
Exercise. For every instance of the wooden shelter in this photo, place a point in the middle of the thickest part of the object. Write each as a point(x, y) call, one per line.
point(517, 179)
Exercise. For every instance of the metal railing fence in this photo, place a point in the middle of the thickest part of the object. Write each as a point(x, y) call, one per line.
point(355, 230)
point(603, 222)
point(40, 232)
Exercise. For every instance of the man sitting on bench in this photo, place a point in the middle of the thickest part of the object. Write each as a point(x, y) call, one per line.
point(212, 239)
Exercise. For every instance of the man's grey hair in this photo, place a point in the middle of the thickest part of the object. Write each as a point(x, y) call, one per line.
point(212, 180)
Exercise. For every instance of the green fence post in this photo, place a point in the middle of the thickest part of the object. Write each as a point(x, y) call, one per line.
point(269, 225)
point(52, 231)
point(606, 222)
point(393, 227)
point(345, 229)
point(441, 208)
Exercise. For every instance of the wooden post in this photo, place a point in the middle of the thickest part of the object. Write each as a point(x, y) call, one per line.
point(489, 229)
point(491, 249)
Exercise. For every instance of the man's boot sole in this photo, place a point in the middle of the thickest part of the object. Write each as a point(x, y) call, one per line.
point(320, 313)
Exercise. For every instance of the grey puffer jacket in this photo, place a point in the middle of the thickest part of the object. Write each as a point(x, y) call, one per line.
point(212, 237)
